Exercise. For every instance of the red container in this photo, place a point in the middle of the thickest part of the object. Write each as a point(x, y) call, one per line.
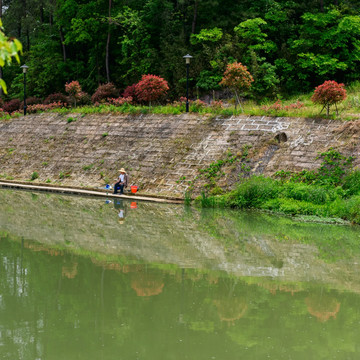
point(133, 205)
point(133, 189)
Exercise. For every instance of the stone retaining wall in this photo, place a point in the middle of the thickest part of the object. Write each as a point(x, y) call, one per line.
point(158, 150)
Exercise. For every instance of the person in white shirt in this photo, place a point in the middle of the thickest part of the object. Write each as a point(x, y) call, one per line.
point(121, 182)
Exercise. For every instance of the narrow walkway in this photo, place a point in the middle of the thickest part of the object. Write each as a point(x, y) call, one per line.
point(77, 191)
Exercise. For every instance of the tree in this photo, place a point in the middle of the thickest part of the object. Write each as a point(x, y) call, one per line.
point(329, 93)
point(237, 78)
point(151, 88)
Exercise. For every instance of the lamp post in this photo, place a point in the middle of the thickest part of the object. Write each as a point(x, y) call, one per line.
point(24, 68)
point(187, 61)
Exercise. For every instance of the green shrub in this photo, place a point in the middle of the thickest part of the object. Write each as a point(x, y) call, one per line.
point(352, 183)
point(254, 191)
point(310, 193)
point(294, 207)
point(34, 175)
point(348, 209)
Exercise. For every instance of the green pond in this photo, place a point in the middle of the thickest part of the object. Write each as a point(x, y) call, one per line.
point(85, 278)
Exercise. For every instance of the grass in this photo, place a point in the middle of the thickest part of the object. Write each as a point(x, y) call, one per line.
point(291, 198)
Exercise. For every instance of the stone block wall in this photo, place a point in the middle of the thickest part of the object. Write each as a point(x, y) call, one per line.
point(158, 150)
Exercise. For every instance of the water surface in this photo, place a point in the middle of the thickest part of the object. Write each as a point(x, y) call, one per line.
point(84, 279)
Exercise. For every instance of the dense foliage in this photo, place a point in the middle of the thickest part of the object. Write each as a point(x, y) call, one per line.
point(287, 46)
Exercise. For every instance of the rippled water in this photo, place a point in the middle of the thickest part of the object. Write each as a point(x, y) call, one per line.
point(81, 278)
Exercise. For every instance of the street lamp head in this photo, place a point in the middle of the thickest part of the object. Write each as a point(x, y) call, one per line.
point(24, 68)
point(187, 58)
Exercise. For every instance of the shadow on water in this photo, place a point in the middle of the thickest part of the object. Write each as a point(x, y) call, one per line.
point(83, 278)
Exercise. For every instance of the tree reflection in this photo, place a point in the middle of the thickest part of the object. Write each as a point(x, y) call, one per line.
point(322, 306)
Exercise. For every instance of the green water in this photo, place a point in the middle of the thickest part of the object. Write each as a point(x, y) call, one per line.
point(82, 279)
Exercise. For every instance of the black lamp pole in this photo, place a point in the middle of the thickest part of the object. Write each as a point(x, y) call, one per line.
point(187, 60)
point(24, 67)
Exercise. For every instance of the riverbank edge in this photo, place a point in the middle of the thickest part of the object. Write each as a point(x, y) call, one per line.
point(86, 191)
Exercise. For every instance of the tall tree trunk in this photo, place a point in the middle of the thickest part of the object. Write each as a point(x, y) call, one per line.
point(63, 47)
point(322, 5)
point(193, 27)
point(108, 46)
point(28, 39)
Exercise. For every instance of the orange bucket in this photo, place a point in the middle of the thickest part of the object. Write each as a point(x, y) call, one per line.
point(133, 205)
point(133, 189)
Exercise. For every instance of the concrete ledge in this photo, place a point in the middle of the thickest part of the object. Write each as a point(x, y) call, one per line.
point(86, 192)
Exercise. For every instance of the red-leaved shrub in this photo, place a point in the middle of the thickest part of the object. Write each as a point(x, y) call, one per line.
point(84, 98)
point(31, 109)
point(31, 101)
point(151, 88)
point(195, 105)
point(12, 105)
point(130, 92)
point(278, 105)
point(104, 92)
point(56, 97)
point(217, 105)
point(329, 93)
point(120, 101)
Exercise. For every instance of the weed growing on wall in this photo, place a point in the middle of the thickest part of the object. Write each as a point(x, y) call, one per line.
point(211, 176)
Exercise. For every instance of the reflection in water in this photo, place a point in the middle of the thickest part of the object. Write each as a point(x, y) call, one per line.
point(322, 306)
point(147, 284)
point(231, 309)
point(120, 206)
point(70, 269)
point(172, 283)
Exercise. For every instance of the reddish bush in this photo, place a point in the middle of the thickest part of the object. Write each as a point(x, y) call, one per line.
point(31, 101)
point(84, 98)
point(56, 97)
point(277, 105)
point(195, 105)
point(104, 92)
point(12, 105)
point(31, 109)
point(130, 92)
point(329, 93)
point(151, 88)
point(217, 105)
point(120, 101)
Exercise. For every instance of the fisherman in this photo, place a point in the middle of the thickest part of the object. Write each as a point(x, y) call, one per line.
point(122, 182)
